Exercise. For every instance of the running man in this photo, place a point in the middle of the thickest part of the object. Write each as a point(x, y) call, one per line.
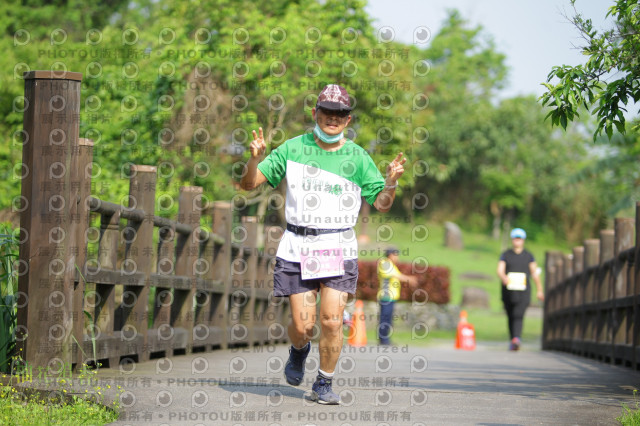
point(326, 176)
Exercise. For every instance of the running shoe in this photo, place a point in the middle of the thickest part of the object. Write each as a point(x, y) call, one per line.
point(294, 369)
point(322, 393)
point(515, 344)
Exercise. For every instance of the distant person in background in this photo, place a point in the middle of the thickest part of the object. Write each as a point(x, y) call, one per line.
point(515, 270)
point(389, 278)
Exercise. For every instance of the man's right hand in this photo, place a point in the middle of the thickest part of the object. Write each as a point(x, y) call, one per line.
point(252, 177)
point(258, 146)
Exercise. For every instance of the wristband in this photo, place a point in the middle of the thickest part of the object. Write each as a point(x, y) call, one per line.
point(390, 186)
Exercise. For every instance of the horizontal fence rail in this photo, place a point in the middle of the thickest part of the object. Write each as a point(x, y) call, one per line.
point(137, 285)
point(592, 296)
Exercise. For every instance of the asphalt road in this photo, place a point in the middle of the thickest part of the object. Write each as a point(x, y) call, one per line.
point(401, 385)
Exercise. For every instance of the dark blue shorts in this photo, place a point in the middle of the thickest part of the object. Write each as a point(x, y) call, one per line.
point(287, 279)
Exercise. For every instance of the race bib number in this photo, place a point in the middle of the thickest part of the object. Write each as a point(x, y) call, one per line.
point(517, 281)
point(321, 260)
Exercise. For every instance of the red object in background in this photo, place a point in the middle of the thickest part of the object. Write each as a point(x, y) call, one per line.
point(466, 334)
point(358, 330)
point(433, 283)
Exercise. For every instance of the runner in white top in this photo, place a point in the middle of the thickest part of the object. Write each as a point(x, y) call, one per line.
point(327, 174)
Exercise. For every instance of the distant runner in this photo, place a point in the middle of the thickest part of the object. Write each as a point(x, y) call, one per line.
point(515, 269)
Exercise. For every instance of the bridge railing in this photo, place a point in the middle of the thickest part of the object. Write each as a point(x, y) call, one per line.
point(592, 296)
point(189, 290)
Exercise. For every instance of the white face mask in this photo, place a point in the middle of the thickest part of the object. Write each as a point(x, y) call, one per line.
point(325, 137)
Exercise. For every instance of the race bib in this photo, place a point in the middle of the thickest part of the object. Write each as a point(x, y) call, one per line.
point(319, 260)
point(517, 281)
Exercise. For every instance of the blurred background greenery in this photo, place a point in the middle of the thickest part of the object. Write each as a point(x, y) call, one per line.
point(180, 85)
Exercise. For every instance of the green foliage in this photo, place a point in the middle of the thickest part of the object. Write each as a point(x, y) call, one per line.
point(168, 85)
point(8, 298)
point(180, 86)
point(15, 409)
point(465, 75)
point(608, 81)
point(630, 416)
point(71, 17)
point(617, 170)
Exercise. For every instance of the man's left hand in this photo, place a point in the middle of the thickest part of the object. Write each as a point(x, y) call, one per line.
point(395, 169)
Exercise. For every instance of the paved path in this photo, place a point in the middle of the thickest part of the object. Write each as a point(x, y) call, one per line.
point(395, 386)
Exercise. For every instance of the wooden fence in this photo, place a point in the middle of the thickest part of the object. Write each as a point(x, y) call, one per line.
point(592, 296)
point(191, 290)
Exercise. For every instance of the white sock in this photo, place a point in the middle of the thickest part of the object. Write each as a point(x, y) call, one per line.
point(325, 374)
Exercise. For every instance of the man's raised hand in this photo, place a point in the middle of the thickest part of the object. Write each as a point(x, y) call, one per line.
point(258, 145)
point(395, 169)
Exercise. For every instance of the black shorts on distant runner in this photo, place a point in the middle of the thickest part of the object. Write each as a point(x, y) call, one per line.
point(287, 279)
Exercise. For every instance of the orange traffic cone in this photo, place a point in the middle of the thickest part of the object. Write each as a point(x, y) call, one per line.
point(466, 335)
point(358, 330)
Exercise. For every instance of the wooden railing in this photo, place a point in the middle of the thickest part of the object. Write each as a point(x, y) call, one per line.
point(592, 296)
point(190, 290)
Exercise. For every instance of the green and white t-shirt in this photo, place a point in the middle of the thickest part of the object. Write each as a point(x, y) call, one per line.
point(323, 191)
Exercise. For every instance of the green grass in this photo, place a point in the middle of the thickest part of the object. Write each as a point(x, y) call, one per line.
point(8, 290)
point(15, 410)
point(630, 416)
point(480, 256)
point(489, 326)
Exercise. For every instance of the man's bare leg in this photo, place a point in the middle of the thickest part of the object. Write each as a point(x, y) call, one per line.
point(303, 318)
point(332, 304)
point(301, 330)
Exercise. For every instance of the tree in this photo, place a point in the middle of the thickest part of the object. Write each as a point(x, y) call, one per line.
point(609, 79)
point(466, 70)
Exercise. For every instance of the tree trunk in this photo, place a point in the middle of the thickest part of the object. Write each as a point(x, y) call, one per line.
point(496, 212)
point(364, 218)
point(407, 197)
point(508, 217)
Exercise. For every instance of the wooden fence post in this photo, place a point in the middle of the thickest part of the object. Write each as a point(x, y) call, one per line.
point(187, 252)
point(577, 300)
point(273, 309)
point(219, 303)
point(604, 289)
point(248, 284)
point(622, 306)
point(567, 272)
point(138, 252)
point(102, 296)
point(80, 192)
point(591, 259)
point(547, 323)
point(51, 124)
point(578, 269)
point(604, 284)
point(161, 333)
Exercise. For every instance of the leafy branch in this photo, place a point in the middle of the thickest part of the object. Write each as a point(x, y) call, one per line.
point(593, 85)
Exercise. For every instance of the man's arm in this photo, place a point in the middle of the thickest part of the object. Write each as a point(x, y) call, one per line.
point(251, 176)
point(406, 278)
point(392, 271)
point(395, 273)
point(385, 198)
